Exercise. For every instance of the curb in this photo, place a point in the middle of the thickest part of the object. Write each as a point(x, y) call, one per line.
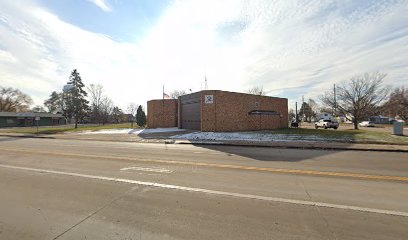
point(356, 148)
point(27, 136)
point(236, 144)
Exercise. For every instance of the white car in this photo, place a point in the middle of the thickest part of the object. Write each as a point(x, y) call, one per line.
point(366, 124)
point(326, 123)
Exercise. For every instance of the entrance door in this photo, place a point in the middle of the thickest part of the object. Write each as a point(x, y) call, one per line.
point(191, 111)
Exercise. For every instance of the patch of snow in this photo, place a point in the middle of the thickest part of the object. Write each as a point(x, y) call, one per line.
point(162, 130)
point(109, 131)
point(133, 131)
point(251, 136)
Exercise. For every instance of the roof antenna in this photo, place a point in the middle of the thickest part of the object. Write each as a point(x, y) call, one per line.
point(206, 84)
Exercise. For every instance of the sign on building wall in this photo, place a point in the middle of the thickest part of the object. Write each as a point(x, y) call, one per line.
point(209, 99)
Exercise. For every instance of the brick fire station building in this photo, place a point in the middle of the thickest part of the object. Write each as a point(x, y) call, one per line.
point(219, 111)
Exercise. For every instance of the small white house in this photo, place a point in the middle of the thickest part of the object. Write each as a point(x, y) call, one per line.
point(380, 119)
point(325, 116)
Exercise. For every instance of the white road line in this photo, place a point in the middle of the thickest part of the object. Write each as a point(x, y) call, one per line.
point(215, 192)
point(146, 169)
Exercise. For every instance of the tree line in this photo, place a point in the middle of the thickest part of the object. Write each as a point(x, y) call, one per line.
point(13, 100)
point(359, 98)
point(75, 102)
point(356, 99)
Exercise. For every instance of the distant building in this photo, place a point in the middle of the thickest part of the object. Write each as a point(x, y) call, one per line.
point(379, 119)
point(125, 117)
point(325, 116)
point(214, 110)
point(27, 119)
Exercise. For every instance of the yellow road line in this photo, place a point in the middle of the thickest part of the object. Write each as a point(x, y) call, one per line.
point(240, 167)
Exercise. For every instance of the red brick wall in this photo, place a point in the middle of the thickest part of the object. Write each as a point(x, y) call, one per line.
point(162, 113)
point(229, 112)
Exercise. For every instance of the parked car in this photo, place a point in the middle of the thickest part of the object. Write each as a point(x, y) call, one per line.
point(366, 124)
point(325, 123)
point(294, 124)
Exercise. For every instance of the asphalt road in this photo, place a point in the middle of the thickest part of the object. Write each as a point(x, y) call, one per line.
point(67, 189)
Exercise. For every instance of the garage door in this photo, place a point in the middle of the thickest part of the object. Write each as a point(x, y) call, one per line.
point(191, 111)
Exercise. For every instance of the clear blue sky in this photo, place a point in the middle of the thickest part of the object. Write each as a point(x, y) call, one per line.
point(133, 48)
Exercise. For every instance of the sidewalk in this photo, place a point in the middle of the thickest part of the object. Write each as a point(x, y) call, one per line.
point(164, 139)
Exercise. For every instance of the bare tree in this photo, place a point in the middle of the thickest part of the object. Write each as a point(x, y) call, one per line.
point(131, 109)
point(325, 109)
point(257, 90)
point(106, 109)
point(38, 108)
point(397, 104)
point(314, 106)
point(291, 115)
point(96, 97)
point(177, 93)
point(13, 100)
point(358, 96)
point(54, 102)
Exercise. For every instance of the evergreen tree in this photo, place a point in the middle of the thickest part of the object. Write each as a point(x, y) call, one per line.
point(140, 117)
point(116, 114)
point(306, 112)
point(75, 102)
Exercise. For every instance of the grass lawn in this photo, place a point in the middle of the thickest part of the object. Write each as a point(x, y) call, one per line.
point(65, 128)
point(359, 136)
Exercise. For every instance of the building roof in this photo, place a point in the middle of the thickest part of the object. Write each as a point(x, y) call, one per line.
point(210, 91)
point(29, 114)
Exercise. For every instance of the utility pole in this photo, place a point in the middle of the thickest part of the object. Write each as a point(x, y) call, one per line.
point(335, 100)
point(296, 115)
point(37, 119)
point(302, 107)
